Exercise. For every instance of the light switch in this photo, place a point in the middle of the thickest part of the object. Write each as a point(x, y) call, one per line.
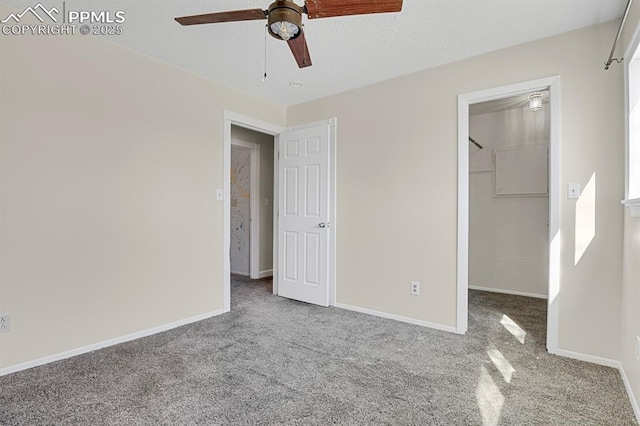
point(266, 201)
point(574, 190)
point(219, 194)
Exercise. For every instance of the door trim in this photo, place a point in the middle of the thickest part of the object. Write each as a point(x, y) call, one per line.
point(464, 100)
point(232, 118)
point(254, 205)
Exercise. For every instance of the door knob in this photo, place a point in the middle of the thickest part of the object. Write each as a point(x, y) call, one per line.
point(322, 225)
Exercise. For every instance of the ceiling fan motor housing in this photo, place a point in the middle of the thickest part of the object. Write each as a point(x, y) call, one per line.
point(285, 11)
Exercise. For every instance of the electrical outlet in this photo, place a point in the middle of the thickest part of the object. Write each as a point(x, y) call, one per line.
point(415, 288)
point(5, 323)
point(637, 348)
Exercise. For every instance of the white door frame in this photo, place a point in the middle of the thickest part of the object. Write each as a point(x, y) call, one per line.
point(235, 119)
point(232, 118)
point(464, 100)
point(254, 205)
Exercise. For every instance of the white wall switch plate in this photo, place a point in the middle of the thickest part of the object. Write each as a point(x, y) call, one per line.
point(266, 201)
point(574, 191)
point(415, 288)
point(637, 348)
point(219, 194)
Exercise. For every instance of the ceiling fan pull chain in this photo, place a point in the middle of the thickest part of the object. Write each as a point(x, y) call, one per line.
point(266, 30)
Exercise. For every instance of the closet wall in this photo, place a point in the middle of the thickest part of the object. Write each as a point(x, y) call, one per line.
point(508, 235)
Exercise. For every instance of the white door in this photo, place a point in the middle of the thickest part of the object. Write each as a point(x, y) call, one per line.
point(303, 215)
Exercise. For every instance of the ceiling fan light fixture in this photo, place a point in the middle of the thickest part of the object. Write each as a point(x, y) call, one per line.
point(535, 101)
point(285, 20)
point(284, 30)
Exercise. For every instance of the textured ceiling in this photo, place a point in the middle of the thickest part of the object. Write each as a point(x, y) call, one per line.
point(347, 52)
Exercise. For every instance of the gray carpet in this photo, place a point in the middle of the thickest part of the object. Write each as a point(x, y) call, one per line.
point(276, 361)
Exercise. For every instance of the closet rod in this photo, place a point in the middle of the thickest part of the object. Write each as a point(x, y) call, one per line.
point(613, 48)
point(473, 141)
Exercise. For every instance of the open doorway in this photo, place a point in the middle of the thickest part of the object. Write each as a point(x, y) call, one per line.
point(251, 203)
point(304, 209)
point(508, 180)
point(509, 219)
point(509, 195)
point(240, 123)
point(251, 212)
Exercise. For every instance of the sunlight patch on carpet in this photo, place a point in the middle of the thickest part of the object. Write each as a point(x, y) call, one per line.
point(489, 398)
point(513, 328)
point(502, 364)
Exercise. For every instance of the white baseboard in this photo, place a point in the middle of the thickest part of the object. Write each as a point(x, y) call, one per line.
point(397, 318)
point(106, 343)
point(589, 358)
point(244, 274)
point(632, 398)
point(265, 274)
point(500, 290)
point(607, 363)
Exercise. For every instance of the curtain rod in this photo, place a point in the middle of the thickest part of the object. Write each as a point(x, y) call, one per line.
point(613, 48)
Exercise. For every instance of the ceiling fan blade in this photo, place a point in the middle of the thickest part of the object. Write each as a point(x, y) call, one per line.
point(328, 8)
point(231, 16)
point(300, 50)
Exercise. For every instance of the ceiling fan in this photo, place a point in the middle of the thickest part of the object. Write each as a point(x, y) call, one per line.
point(284, 18)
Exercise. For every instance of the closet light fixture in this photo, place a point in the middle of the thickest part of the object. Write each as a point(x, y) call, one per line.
point(535, 101)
